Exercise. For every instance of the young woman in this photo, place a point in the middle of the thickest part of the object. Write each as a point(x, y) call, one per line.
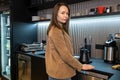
point(60, 63)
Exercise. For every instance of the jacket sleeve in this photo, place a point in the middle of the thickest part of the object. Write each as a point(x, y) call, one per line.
point(65, 54)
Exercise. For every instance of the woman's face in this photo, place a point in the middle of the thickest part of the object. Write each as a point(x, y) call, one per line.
point(63, 14)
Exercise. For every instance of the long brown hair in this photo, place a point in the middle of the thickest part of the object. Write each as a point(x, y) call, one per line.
point(54, 21)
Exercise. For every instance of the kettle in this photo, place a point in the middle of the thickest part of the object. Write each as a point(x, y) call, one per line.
point(84, 54)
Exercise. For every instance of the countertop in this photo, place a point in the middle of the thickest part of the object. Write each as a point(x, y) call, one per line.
point(105, 67)
point(99, 64)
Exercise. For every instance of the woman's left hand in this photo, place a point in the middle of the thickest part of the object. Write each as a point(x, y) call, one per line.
point(87, 67)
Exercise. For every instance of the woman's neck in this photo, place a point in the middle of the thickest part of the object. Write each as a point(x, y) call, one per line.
point(61, 25)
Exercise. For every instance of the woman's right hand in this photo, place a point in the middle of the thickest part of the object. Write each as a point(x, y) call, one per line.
point(87, 67)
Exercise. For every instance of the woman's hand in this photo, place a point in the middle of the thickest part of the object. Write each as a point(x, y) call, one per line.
point(87, 67)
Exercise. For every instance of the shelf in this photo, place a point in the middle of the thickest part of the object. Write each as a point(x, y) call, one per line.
point(97, 15)
point(84, 16)
point(8, 55)
point(8, 25)
point(51, 4)
point(7, 37)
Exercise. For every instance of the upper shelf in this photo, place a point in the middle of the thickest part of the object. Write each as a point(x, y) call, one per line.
point(50, 4)
point(84, 16)
point(97, 15)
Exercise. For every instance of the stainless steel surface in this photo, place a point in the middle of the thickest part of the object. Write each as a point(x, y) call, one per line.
point(94, 75)
point(110, 50)
point(109, 53)
point(88, 77)
point(24, 67)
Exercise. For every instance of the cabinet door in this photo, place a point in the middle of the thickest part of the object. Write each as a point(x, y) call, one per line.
point(24, 67)
point(38, 69)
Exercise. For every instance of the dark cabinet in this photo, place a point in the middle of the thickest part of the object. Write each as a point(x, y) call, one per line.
point(41, 4)
point(38, 69)
point(20, 12)
point(33, 6)
point(31, 67)
point(23, 10)
point(24, 67)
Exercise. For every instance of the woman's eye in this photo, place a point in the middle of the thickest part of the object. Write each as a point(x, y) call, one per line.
point(67, 13)
point(63, 13)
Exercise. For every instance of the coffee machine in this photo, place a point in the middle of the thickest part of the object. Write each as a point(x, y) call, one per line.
point(110, 50)
point(117, 39)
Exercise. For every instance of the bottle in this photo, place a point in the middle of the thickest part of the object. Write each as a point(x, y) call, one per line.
point(41, 46)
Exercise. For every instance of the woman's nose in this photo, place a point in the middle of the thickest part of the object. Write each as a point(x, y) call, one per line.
point(66, 15)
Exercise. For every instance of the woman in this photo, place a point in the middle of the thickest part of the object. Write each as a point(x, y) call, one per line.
point(60, 63)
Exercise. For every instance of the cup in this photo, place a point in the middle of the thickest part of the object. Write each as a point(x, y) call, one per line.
point(100, 9)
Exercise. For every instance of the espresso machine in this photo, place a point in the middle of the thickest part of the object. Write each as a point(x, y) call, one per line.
point(117, 39)
point(110, 50)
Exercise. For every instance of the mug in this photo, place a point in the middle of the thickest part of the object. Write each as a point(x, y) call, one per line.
point(100, 9)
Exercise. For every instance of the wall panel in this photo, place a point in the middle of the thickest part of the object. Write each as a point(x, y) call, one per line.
point(95, 29)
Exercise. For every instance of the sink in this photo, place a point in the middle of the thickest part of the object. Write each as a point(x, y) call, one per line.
point(94, 75)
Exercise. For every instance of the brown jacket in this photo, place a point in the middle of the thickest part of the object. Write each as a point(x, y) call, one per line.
point(60, 62)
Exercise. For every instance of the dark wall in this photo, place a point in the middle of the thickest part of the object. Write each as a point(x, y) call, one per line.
point(23, 33)
point(20, 33)
point(21, 30)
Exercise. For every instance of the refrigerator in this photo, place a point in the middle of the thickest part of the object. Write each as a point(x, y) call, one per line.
point(5, 44)
point(13, 34)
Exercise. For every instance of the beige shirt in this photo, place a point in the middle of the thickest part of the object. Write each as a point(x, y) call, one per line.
point(60, 62)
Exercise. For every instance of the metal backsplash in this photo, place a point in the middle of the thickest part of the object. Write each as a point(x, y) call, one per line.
point(95, 29)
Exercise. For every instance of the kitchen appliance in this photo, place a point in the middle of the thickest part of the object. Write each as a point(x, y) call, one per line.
point(84, 54)
point(117, 39)
point(110, 50)
point(5, 49)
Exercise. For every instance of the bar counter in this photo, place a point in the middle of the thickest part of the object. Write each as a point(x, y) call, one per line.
point(101, 68)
